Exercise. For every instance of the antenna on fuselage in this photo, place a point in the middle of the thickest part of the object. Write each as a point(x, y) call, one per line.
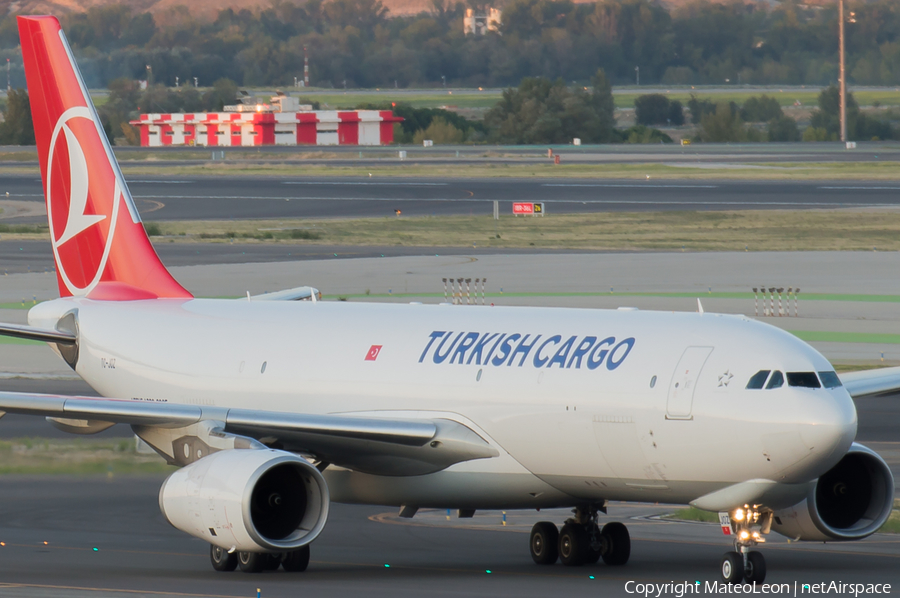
point(699, 305)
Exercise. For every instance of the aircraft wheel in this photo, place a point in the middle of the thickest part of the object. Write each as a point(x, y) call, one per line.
point(296, 560)
point(732, 567)
point(594, 535)
point(617, 542)
point(252, 562)
point(755, 571)
point(221, 559)
point(272, 562)
point(544, 543)
point(574, 545)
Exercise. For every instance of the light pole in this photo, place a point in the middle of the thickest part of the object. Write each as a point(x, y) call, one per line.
point(843, 78)
point(195, 81)
point(637, 75)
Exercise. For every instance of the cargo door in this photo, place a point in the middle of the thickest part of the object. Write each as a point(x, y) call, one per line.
point(684, 382)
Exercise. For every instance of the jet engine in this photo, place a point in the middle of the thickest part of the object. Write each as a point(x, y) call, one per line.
point(849, 502)
point(248, 500)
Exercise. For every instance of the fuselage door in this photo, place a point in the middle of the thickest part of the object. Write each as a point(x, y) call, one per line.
point(684, 382)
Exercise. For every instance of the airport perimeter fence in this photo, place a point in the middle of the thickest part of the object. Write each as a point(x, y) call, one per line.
point(455, 294)
point(769, 308)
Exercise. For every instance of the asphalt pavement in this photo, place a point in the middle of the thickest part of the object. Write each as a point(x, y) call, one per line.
point(271, 197)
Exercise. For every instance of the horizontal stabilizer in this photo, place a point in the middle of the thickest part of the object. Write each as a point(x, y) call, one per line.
point(295, 294)
point(37, 334)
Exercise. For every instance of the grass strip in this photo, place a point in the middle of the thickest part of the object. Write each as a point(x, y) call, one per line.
point(76, 456)
point(736, 231)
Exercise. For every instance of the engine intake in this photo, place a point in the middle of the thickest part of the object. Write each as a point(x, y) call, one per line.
point(849, 502)
point(248, 500)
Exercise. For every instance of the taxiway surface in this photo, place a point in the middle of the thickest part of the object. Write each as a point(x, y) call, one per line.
point(52, 526)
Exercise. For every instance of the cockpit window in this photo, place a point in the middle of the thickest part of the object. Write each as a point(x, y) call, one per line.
point(776, 381)
point(803, 379)
point(830, 380)
point(758, 380)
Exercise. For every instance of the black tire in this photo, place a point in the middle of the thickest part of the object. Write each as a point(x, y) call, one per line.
point(593, 555)
point(296, 560)
point(221, 559)
point(732, 567)
point(617, 542)
point(544, 543)
point(252, 562)
point(755, 571)
point(574, 545)
point(272, 562)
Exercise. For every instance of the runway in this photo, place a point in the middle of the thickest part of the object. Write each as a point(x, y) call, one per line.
point(245, 197)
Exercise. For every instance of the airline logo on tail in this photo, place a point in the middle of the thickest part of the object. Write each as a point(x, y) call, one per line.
point(101, 250)
point(82, 212)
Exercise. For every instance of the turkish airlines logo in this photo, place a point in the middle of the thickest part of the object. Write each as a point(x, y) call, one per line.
point(82, 200)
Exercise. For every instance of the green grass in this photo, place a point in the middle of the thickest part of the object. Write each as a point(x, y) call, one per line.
point(467, 98)
point(892, 525)
point(808, 97)
point(390, 167)
point(76, 456)
point(9, 340)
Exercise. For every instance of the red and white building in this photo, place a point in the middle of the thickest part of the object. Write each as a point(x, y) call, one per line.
point(239, 128)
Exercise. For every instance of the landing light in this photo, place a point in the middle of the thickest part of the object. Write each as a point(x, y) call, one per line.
point(739, 515)
point(744, 535)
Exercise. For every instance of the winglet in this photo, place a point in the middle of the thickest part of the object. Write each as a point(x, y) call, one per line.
point(95, 230)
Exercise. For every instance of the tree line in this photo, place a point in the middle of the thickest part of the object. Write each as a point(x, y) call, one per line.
point(538, 111)
point(357, 43)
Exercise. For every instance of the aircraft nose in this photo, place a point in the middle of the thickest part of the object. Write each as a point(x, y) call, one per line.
point(832, 428)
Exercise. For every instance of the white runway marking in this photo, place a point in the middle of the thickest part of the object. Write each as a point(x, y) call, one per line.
point(627, 186)
point(363, 183)
point(863, 188)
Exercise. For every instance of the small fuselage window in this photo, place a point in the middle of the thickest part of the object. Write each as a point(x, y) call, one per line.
point(758, 380)
point(830, 380)
point(803, 380)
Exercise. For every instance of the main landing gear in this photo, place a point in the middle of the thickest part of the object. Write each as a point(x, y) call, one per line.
point(255, 562)
point(748, 524)
point(580, 541)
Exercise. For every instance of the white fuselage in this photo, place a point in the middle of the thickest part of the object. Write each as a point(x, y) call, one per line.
point(583, 405)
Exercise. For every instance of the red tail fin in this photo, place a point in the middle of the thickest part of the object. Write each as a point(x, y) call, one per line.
point(99, 244)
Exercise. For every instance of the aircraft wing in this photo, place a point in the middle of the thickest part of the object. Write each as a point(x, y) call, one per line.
point(383, 446)
point(871, 382)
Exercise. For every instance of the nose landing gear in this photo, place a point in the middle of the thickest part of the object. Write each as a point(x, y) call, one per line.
point(581, 541)
point(748, 524)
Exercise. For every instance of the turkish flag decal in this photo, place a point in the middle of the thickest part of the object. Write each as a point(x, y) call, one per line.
point(374, 350)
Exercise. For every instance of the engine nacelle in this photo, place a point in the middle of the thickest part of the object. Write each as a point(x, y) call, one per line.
point(849, 502)
point(248, 500)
